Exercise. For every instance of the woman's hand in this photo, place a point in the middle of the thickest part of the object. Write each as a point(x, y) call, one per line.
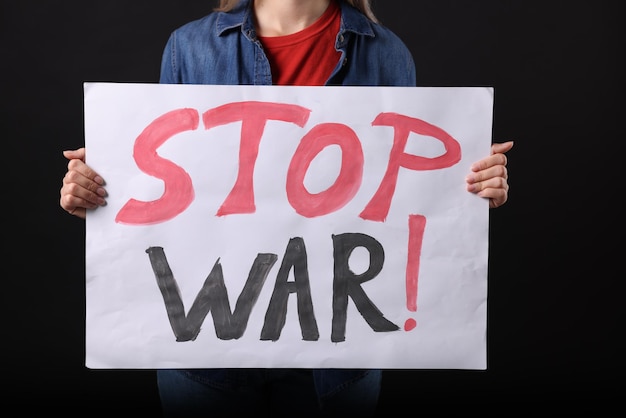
point(489, 176)
point(82, 187)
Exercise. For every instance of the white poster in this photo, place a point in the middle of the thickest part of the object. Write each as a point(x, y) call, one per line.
point(267, 226)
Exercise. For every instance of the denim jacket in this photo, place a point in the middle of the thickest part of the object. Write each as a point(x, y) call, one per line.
point(222, 48)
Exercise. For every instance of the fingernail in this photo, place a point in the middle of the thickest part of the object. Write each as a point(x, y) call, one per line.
point(98, 180)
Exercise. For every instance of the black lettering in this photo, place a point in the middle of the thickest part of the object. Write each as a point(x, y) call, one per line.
point(296, 257)
point(213, 296)
point(347, 283)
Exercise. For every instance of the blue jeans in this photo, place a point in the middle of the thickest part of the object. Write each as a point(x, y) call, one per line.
point(262, 393)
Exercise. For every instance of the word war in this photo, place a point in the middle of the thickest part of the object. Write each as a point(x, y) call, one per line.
point(231, 324)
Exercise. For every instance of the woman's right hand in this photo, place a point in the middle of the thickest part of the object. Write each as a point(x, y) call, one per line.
point(82, 187)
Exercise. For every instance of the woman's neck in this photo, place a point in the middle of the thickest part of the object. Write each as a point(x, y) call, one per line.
point(284, 17)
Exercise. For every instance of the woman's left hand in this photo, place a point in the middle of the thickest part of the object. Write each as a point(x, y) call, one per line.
point(489, 176)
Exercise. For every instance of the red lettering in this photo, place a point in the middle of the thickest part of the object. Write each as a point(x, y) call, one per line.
point(378, 207)
point(253, 116)
point(178, 193)
point(178, 189)
point(417, 224)
point(348, 181)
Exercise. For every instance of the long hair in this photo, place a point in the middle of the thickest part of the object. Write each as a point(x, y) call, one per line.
point(363, 6)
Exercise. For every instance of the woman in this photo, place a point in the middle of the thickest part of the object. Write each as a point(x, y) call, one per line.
point(281, 42)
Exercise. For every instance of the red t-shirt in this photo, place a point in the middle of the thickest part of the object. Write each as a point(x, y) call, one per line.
point(308, 57)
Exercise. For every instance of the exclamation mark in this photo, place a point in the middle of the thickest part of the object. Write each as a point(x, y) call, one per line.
point(417, 223)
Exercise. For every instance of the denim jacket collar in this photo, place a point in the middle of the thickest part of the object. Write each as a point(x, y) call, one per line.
point(351, 21)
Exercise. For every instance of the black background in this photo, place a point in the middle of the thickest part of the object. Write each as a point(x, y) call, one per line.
point(555, 290)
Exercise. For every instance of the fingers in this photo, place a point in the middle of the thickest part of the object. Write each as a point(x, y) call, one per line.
point(501, 147)
point(496, 189)
point(75, 154)
point(82, 187)
point(495, 171)
point(497, 159)
point(489, 177)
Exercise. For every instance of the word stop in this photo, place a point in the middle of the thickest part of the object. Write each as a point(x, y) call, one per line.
point(179, 192)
